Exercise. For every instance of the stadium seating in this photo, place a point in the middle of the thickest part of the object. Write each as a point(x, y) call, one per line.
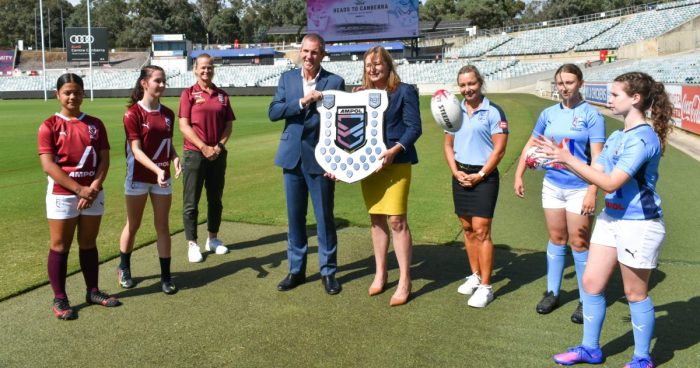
point(641, 26)
point(552, 40)
point(683, 69)
point(480, 46)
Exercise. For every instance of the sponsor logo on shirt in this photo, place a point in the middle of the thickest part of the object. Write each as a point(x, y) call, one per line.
point(577, 124)
point(221, 99)
point(198, 99)
point(503, 124)
point(81, 174)
point(614, 206)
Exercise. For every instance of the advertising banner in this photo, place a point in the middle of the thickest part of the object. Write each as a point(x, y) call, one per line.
point(7, 62)
point(596, 93)
point(79, 43)
point(690, 109)
point(350, 20)
point(675, 94)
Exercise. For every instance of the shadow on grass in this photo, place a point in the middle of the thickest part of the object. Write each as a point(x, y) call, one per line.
point(674, 328)
point(444, 264)
point(201, 277)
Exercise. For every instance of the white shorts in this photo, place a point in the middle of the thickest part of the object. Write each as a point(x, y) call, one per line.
point(555, 197)
point(62, 207)
point(134, 188)
point(638, 242)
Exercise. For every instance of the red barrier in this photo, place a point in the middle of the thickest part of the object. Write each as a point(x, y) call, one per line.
point(690, 109)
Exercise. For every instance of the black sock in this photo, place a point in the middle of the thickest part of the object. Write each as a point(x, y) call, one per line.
point(125, 260)
point(164, 269)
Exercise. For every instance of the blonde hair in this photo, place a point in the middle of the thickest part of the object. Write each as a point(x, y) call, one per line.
point(472, 69)
point(385, 57)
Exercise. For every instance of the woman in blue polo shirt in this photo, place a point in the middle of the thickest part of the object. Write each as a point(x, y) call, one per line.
point(473, 154)
point(568, 201)
point(631, 230)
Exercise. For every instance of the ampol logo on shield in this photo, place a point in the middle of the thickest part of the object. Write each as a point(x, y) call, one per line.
point(350, 128)
point(351, 133)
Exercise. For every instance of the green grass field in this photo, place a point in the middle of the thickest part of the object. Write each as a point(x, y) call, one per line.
point(228, 313)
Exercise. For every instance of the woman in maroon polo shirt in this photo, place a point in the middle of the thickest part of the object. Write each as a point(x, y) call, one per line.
point(206, 121)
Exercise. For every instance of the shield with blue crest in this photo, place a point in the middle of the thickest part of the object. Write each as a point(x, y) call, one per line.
point(351, 133)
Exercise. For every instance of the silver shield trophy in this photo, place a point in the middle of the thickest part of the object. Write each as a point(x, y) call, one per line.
point(352, 133)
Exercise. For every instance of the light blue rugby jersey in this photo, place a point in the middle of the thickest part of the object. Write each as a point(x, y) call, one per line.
point(636, 152)
point(473, 144)
point(582, 125)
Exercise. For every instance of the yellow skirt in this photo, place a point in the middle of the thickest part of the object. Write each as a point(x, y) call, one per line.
point(386, 192)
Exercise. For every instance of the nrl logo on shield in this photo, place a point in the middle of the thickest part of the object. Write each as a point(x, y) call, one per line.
point(351, 133)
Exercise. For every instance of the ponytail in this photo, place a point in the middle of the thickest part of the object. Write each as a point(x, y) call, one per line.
point(654, 98)
point(661, 112)
point(137, 92)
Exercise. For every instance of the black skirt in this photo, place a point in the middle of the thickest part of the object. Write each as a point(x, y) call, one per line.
point(479, 201)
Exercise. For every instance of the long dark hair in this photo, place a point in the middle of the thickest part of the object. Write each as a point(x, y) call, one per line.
point(137, 92)
point(69, 78)
point(654, 97)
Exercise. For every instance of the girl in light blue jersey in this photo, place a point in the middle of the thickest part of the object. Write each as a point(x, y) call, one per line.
point(630, 230)
point(568, 201)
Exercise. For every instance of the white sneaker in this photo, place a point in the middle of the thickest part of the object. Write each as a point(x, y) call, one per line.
point(482, 297)
point(467, 288)
point(216, 245)
point(193, 253)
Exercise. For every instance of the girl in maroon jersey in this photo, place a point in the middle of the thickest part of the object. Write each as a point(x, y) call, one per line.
point(74, 153)
point(149, 151)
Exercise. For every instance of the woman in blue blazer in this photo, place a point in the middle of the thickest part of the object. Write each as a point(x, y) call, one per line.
point(386, 191)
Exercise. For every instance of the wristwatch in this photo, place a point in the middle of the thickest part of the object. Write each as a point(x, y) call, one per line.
point(221, 146)
point(481, 173)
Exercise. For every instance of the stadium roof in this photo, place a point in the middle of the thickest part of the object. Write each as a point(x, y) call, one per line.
point(453, 24)
point(427, 25)
point(233, 53)
point(285, 30)
point(362, 47)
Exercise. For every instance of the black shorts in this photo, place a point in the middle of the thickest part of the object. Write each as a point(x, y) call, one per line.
point(479, 201)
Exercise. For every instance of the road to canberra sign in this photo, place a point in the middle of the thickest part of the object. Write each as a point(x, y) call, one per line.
point(352, 133)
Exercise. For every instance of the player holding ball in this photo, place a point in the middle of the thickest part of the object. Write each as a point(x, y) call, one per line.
point(569, 202)
point(630, 231)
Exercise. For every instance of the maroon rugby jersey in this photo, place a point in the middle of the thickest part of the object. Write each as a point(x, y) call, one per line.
point(75, 144)
point(207, 113)
point(155, 131)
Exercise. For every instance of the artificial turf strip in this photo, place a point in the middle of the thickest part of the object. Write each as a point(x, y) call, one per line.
point(254, 193)
point(228, 313)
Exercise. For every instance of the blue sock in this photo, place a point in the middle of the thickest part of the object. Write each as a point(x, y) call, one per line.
point(642, 325)
point(556, 259)
point(593, 317)
point(580, 259)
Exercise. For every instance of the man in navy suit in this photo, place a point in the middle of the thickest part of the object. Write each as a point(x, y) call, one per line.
point(295, 102)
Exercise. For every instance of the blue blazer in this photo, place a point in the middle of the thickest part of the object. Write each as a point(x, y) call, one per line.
point(402, 123)
point(301, 126)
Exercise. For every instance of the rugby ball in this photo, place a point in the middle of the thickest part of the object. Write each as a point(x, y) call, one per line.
point(446, 110)
point(535, 159)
